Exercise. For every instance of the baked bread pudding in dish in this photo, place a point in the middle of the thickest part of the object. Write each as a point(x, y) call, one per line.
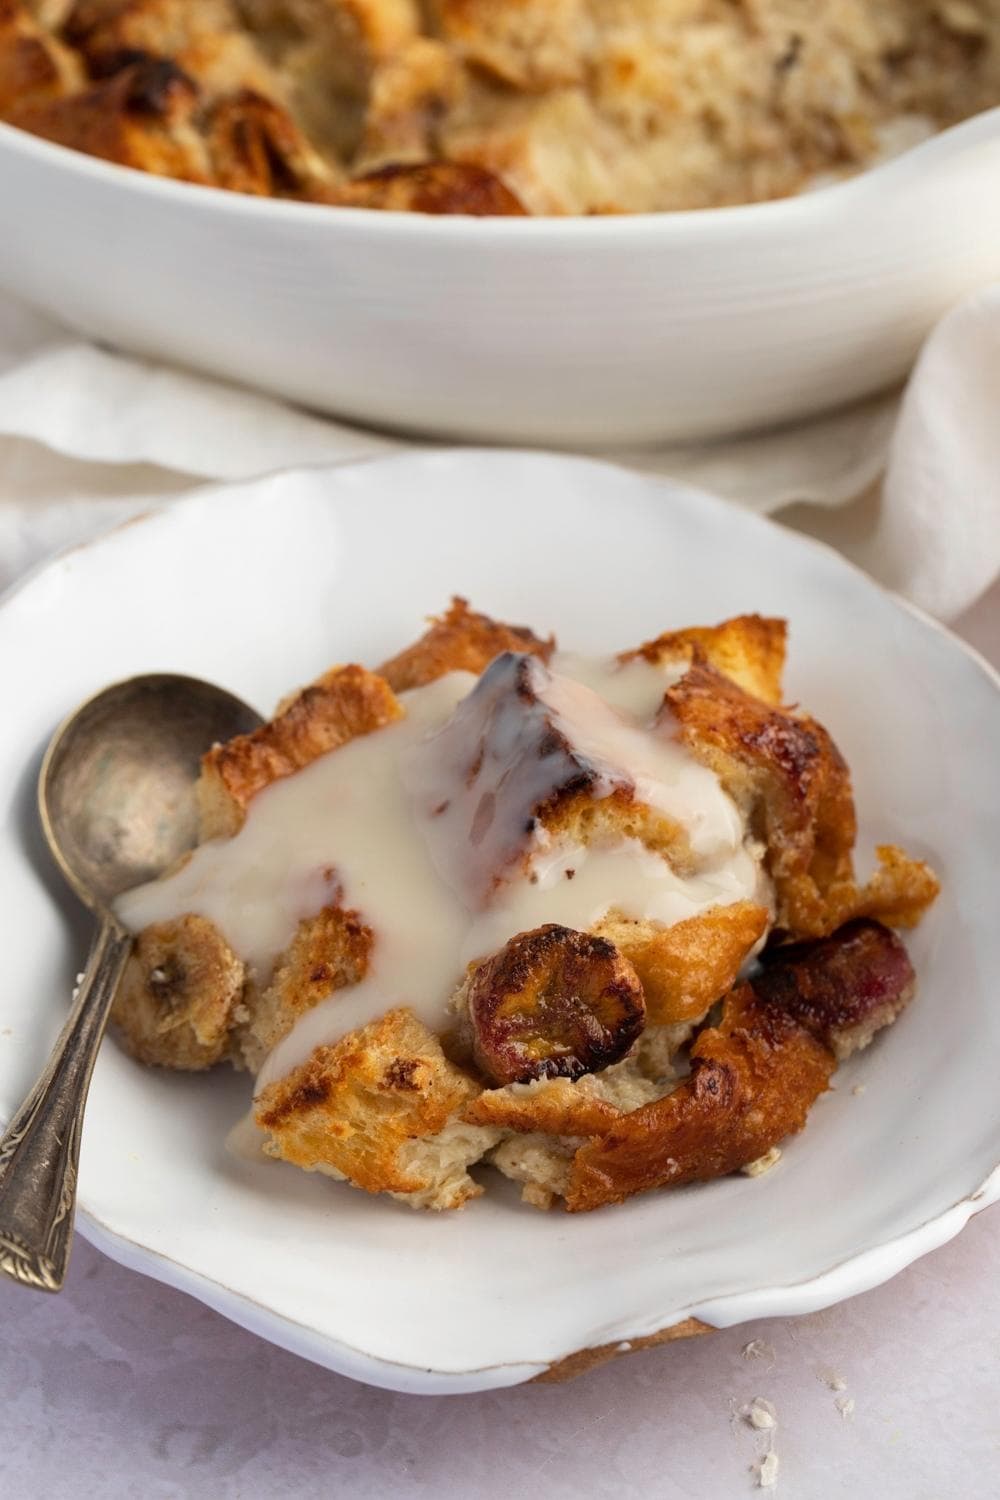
point(497, 106)
point(591, 922)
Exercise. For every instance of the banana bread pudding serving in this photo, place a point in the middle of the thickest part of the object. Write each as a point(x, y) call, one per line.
point(591, 922)
point(496, 106)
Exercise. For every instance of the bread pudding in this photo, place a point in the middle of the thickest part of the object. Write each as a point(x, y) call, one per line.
point(590, 922)
point(496, 106)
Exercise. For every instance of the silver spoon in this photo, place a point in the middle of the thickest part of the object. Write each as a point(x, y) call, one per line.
point(117, 804)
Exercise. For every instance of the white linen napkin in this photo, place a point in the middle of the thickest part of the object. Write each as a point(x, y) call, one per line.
point(89, 436)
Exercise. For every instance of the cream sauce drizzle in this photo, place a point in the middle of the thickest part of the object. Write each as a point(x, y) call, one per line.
point(360, 824)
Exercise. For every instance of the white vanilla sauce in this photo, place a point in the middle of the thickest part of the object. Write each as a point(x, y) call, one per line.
point(392, 824)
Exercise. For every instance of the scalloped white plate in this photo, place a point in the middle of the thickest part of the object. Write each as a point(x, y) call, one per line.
point(261, 586)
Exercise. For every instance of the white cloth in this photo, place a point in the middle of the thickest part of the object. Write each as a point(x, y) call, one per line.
point(89, 436)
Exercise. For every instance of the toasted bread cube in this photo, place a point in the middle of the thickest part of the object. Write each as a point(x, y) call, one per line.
point(329, 952)
point(140, 117)
point(180, 995)
point(748, 649)
point(381, 1108)
point(789, 780)
point(459, 641)
point(344, 703)
point(684, 969)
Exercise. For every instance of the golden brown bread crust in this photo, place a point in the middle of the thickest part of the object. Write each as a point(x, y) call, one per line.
point(555, 1106)
point(754, 1078)
point(748, 649)
point(460, 640)
point(684, 969)
point(357, 1109)
point(180, 996)
point(328, 952)
point(342, 704)
point(787, 776)
point(140, 117)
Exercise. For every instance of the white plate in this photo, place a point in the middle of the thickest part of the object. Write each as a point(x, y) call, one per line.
point(263, 585)
point(577, 332)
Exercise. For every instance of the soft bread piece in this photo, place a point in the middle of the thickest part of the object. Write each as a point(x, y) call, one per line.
point(748, 649)
point(685, 968)
point(205, 39)
point(375, 1109)
point(342, 704)
point(460, 640)
point(180, 995)
point(329, 951)
point(533, 45)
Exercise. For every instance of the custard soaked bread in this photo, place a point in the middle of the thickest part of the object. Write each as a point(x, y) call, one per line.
point(497, 106)
point(591, 922)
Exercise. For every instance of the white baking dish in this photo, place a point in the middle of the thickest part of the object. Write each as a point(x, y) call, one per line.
point(576, 331)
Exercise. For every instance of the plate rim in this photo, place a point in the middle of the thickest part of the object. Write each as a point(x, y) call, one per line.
point(870, 1267)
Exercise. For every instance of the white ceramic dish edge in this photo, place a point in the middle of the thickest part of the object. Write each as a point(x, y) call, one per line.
point(578, 332)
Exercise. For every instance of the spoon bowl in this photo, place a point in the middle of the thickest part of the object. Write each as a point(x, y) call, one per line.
point(116, 791)
point(117, 800)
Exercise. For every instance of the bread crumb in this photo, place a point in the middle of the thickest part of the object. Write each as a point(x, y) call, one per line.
point(845, 1405)
point(758, 1349)
point(767, 1471)
point(761, 1414)
point(624, 1347)
point(858, 1088)
point(762, 1164)
point(832, 1379)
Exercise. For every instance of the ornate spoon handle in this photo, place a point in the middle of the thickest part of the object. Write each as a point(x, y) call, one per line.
point(40, 1148)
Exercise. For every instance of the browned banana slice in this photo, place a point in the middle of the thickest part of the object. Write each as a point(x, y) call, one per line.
point(430, 187)
point(178, 997)
point(553, 1003)
point(843, 989)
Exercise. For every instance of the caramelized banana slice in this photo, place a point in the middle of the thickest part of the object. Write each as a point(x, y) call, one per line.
point(179, 996)
point(553, 1003)
point(430, 187)
point(843, 989)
